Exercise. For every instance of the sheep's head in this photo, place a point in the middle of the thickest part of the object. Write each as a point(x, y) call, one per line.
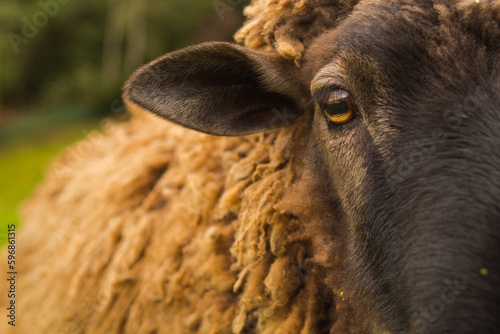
point(401, 106)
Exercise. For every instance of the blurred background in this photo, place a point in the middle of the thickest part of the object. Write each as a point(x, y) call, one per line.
point(62, 63)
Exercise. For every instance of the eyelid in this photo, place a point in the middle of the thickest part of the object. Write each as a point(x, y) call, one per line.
point(328, 78)
point(325, 92)
point(338, 94)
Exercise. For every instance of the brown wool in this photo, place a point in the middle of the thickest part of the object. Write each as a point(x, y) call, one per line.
point(162, 229)
point(289, 25)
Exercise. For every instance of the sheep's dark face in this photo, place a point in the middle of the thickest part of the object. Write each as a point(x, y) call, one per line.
point(417, 170)
point(402, 104)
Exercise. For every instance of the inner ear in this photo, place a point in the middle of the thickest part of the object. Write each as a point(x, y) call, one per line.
point(218, 88)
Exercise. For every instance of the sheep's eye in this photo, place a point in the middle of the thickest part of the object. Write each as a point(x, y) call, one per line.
point(339, 106)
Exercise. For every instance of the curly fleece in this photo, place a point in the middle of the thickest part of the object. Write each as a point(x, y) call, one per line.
point(160, 229)
point(288, 26)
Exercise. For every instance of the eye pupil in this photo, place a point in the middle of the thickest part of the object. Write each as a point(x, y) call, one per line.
point(336, 109)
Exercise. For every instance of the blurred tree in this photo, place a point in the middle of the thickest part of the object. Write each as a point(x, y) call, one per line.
point(136, 34)
point(80, 52)
point(114, 31)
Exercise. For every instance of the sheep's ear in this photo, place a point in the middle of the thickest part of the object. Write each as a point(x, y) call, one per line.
point(217, 88)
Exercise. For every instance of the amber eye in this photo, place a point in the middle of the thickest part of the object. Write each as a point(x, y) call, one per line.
point(339, 106)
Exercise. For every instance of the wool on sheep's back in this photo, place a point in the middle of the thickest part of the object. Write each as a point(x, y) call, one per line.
point(129, 235)
point(160, 229)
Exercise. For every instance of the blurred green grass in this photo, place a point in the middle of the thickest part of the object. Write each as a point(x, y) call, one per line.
point(27, 149)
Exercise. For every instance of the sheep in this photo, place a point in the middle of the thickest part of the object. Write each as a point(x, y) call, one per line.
point(346, 182)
